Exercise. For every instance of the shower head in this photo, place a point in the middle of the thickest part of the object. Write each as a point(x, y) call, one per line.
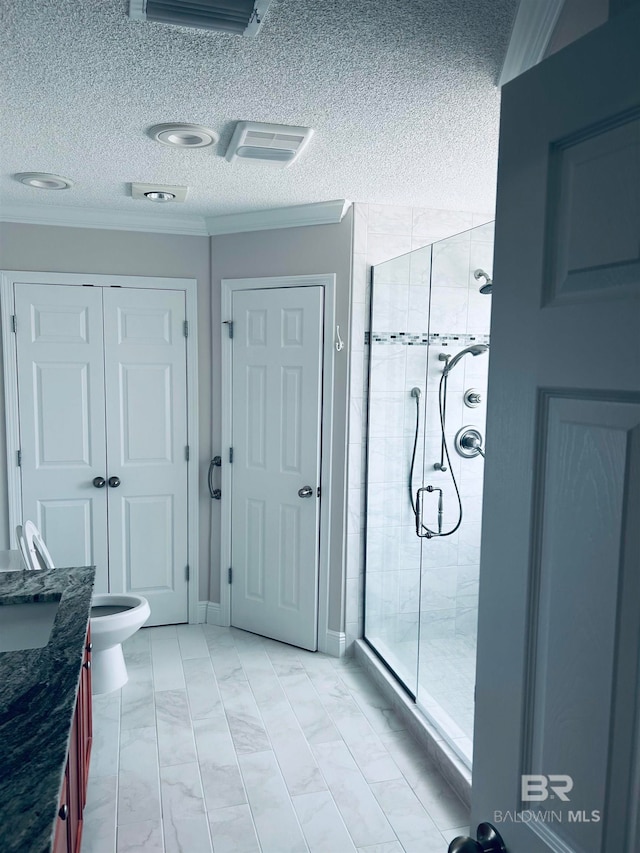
point(487, 287)
point(474, 349)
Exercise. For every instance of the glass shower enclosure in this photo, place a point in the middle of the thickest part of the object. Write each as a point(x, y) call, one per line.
point(423, 493)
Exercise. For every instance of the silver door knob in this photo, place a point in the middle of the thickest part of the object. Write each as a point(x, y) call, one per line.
point(114, 482)
point(305, 492)
point(99, 482)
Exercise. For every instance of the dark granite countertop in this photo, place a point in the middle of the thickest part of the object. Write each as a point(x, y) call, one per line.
point(38, 690)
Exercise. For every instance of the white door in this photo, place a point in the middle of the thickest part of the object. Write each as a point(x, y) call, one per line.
point(558, 675)
point(102, 394)
point(60, 354)
point(146, 406)
point(276, 413)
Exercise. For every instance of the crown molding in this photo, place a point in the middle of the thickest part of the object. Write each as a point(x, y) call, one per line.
point(532, 29)
point(114, 220)
point(319, 213)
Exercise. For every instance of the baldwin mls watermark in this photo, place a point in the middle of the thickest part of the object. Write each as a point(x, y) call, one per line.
point(538, 788)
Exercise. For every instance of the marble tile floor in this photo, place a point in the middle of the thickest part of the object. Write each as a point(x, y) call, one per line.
point(446, 678)
point(226, 742)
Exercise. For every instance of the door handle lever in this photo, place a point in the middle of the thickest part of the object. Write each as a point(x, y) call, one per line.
point(489, 841)
point(216, 462)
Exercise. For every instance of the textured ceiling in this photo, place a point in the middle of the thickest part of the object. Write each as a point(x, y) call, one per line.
point(401, 94)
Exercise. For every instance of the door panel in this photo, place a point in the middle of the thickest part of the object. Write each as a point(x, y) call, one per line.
point(277, 361)
point(559, 623)
point(146, 404)
point(62, 430)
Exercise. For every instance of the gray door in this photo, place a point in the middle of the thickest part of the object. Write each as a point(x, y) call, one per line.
point(559, 624)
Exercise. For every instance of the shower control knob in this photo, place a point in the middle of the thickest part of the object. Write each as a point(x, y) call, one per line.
point(472, 398)
point(468, 442)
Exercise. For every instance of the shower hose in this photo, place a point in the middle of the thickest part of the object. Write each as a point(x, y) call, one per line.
point(429, 534)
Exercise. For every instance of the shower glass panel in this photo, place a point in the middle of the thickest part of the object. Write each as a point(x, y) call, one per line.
point(421, 593)
point(397, 364)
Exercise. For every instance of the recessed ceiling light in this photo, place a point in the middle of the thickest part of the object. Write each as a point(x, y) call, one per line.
point(158, 192)
point(159, 196)
point(44, 181)
point(183, 135)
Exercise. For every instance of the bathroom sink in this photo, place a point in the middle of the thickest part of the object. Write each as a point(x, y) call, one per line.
point(26, 625)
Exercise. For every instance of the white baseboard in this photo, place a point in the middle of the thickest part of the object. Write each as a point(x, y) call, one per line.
point(214, 615)
point(334, 644)
point(202, 611)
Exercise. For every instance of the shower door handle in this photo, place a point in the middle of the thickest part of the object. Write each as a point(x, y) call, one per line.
point(305, 492)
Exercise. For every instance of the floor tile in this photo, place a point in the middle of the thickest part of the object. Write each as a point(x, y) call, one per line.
point(138, 704)
point(181, 792)
point(228, 742)
point(233, 831)
point(167, 664)
point(175, 734)
point(187, 836)
point(202, 689)
point(411, 823)
point(142, 837)
point(218, 761)
point(321, 823)
point(357, 805)
point(191, 642)
point(245, 722)
point(276, 823)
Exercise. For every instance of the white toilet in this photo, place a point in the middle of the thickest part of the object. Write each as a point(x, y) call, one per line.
point(114, 616)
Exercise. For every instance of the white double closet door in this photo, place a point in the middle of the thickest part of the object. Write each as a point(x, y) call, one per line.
point(102, 397)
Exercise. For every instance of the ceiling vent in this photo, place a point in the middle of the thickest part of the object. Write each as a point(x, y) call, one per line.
point(274, 144)
point(242, 17)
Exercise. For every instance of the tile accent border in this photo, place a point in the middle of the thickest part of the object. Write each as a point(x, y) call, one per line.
point(423, 338)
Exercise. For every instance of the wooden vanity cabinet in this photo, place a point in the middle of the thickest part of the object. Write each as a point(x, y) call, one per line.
point(73, 795)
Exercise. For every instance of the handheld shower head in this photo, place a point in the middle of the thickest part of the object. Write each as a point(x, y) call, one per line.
point(487, 287)
point(474, 349)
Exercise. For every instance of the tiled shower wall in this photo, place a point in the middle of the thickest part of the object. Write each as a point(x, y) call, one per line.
point(382, 233)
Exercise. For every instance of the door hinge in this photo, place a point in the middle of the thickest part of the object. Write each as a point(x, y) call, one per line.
point(230, 576)
point(229, 325)
point(14, 325)
point(187, 572)
point(231, 454)
point(186, 452)
point(19, 458)
point(318, 491)
point(186, 328)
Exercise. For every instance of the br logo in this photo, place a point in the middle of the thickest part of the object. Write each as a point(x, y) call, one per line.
point(538, 788)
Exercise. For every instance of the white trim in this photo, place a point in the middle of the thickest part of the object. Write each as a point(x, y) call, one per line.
point(336, 643)
point(10, 371)
point(532, 29)
point(228, 286)
point(214, 615)
point(12, 422)
point(202, 611)
point(321, 213)
point(112, 220)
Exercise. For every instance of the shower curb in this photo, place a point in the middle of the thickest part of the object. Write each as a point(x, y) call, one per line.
point(451, 767)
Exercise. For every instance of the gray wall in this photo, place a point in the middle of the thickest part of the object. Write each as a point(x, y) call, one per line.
point(294, 251)
point(47, 248)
